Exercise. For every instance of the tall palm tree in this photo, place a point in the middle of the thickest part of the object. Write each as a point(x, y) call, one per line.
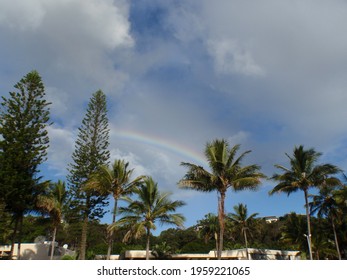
point(226, 173)
point(241, 217)
point(116, 181)
point(54, 202)
point(150, 207)
point(325, 205)
point(304, 173)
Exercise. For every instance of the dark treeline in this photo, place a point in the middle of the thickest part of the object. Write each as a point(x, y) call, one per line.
point(285, 234)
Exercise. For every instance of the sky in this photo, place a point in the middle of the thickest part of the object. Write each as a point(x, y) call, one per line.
point(268, 75)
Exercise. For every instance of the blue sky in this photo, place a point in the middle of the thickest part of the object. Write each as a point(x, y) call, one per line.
point(268, 75)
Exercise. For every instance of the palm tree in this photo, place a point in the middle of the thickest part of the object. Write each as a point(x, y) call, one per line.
point(304, 174)
point(150, 207)
point(294, 231)
point(208, 228)
point(241, 217)
point(116, 181)
point(54, 202)
point(162, 251)
point(226, 173)
point(325, 205)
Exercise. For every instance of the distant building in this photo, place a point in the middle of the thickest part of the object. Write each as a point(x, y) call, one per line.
point(270, 219)
point(239, 254)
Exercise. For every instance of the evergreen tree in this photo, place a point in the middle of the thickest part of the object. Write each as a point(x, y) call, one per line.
point(24, 118)
point(91, 151)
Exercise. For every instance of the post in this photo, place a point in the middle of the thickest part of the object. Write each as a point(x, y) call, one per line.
point(308, 237)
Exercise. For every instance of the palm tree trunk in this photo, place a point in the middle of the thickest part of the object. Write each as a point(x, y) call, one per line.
point(147, 243)
point(217, 243)
point(221, 215)
point(309, 239)
point(246, 243)
point(53, 242)
point(110, 237)
point(82, 255)
point(336, 241)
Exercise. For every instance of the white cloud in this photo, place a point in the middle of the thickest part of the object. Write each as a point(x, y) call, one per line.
point(21, 15)
point(230, 58)
point(297, 52)
point(76, 43)
point(133, 160)
point(239, 137)
point(102, 23)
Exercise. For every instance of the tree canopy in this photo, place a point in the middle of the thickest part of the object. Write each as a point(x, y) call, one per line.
point(24, 118)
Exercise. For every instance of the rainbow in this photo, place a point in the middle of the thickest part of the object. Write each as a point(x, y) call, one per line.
point(181, 150)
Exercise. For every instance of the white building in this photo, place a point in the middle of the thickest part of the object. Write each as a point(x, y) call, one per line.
point(35, 251)
point(238, 254)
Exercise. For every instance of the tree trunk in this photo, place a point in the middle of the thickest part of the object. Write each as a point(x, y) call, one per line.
point(111, 233)
point(13, 241)
point(20, 236)
point(82, 255)
point(217, 243)
point(246, 243)
point(336, 241)
point(147, 244)
point(221, 215)
point(53, 241)
point(309, 239)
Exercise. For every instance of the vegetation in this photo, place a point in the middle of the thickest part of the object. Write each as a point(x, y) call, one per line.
point(24, 118)
point(243, 221)
point(326, 205)
point(208, 228)
point(150, 207)
point(115, 181)
point(226, 172)
point(285, 234)
point(91, 152)
point(53, 203)
point(304, 173)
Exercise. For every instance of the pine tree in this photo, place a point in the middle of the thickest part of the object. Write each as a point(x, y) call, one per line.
point(91, 151)
point(24, 118)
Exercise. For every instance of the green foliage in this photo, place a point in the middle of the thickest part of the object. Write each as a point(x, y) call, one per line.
point(162, 251)
point(285, 234)
point(177, 238)
point(197, 247)
point(68, 258)
point(115, 181)
point(150, 207)
point(24, 118)
point(226, 173)
point(54, 201)
point(91, 151)
point(293, 232)
point(5, 224)
point(304, 173)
